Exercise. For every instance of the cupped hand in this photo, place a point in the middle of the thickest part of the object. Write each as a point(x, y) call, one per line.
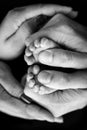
point(71, 38)
point(11, 104)
point(14, 29)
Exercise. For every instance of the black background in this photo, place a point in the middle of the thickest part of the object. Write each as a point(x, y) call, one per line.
point(74, 120)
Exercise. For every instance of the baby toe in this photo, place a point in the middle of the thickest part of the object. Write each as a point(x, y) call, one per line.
point(44, 42)
point(31, 83)
point(37, 43)
point(28, 52)
point(47, 43)
point(32, 47)
point(42, 90)
point(45, 77)
point(36, 88)
point(30, 70)
point(29, 77)
point(36, 69)
point(31, 60)
point(26, 58)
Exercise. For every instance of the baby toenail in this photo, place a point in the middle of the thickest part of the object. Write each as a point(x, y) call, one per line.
point(44, 77)
point(45, 56)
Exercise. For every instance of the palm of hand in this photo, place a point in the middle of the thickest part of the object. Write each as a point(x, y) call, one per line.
point(60, 102)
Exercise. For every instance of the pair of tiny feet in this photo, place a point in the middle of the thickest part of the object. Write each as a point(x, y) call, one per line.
point(31, 56)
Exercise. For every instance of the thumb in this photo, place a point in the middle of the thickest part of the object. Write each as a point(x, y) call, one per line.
point(8, 82)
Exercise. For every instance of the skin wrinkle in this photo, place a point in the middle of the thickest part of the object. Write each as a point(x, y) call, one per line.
point(54, 103)
point(15, 14)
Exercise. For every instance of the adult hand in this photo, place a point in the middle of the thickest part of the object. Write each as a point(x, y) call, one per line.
point(60, 102)
point(14, 29)
point(10, 103)
point(67, 34)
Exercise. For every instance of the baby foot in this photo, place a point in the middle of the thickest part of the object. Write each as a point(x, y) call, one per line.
point(33, 83)
point(33, 50)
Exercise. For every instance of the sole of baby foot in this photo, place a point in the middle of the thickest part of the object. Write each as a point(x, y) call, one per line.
point(33, 82)
point(32, 52)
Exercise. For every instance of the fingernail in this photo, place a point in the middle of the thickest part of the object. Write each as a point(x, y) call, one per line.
point(45, 56)
point(44, 77)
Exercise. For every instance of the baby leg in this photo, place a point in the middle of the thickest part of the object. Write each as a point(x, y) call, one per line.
point(33, 83)
point(32, 51)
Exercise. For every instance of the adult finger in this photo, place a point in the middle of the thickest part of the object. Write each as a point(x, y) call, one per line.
point(9, 83)
point(11, 105)
point(17, 16)
point(60, 80)
point(63, 58)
